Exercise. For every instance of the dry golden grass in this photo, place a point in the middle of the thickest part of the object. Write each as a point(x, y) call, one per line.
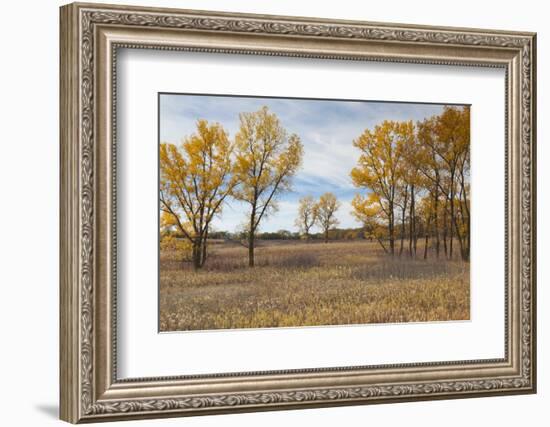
point(307, 284)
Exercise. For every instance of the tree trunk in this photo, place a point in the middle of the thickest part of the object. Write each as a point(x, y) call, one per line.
point(410, 238)
point(415, 238)
point(251, 249)
point(251, 236)
point(196, 254)
point(436, 222)
point(326, 235)
point(466, 219)
point(391, 230)
point(426, 237)
point(204, 240)
point(465, 222)
point(468, 240)
point(458, 228)
point(467, 254)
point(445, 229)
point(425, 228)
point(381, 243)
point(403, 216)
point(403, 213)
point(412, 231)
point(451, 238)
point(461, 241)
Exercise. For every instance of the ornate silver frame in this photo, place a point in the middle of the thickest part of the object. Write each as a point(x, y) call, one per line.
point(90, 36)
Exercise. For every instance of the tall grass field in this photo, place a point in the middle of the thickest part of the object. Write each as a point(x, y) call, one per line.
point(296, 283)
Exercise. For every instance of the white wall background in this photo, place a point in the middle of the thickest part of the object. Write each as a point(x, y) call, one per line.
point(29, 171)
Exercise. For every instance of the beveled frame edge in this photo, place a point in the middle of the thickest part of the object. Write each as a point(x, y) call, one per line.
point(87, 392)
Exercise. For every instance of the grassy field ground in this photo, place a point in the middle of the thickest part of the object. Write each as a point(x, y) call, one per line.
point(306, 284)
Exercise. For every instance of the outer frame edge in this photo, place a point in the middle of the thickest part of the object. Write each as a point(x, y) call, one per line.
point(69, 233)
point(68, 219)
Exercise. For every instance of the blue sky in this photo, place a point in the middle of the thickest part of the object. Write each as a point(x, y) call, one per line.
point(325, 127)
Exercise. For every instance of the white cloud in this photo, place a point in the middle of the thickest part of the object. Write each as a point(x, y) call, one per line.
point(329, 156)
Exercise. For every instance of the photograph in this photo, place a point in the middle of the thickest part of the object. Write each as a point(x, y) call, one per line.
point(290, 212)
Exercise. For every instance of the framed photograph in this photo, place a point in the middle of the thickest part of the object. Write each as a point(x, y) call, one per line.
point(266, 212)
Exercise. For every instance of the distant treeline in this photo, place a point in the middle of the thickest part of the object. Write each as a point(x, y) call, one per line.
point(334, 234)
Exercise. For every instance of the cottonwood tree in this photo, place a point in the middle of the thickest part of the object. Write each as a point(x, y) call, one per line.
point(326, 208)
point(453, 131)
point(405, 188)
point(380, 167)
point(195, 179)
point(430, 166)
point(446, 164)
point(267, 158)
point(402, 164)
point(307, 215)
point(414, 181)
point(425, 214)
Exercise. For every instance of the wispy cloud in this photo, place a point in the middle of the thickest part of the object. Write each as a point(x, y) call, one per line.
point(326, 128)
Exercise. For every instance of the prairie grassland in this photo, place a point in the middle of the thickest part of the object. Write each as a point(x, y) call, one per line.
point(307, 284)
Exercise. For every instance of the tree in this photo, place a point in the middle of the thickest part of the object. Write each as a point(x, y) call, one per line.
point(425, 217)
point(402, 202)
point(431, 167)
point(380, 167)
point(446, 163)
point(367, 210)
point(453, 130)
point(307, 215)
point(195, 179)
point(413, 180)
point(266, 160)
point(326, 212)
point(401, 164)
